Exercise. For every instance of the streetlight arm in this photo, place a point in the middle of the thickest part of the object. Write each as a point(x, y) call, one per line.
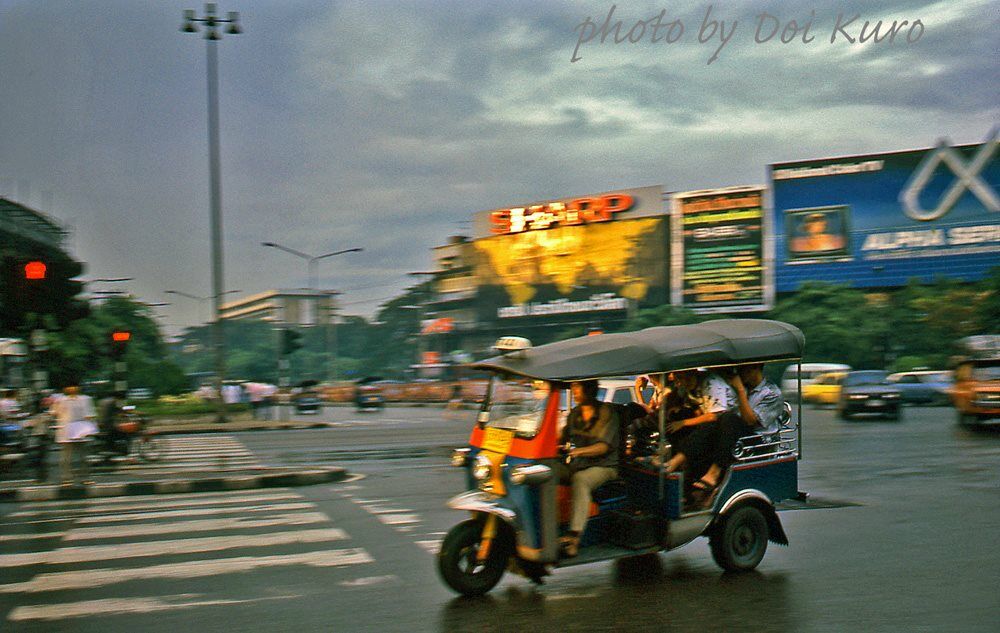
point(184, 294)
point(287, 250)
point(346, 250)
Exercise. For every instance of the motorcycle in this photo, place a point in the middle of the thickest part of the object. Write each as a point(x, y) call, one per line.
point(129, 435)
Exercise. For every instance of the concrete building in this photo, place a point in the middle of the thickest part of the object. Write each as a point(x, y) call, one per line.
point(299, 306)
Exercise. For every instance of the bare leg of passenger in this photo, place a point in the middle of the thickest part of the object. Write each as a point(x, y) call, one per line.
point(676, 462)
point(712, 475)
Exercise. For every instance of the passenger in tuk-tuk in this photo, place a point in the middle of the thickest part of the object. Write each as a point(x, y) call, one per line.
point(694, 430)
point(758, 410)
point(592, 435)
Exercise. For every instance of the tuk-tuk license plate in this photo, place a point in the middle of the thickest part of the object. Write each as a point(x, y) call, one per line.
point(498, 440)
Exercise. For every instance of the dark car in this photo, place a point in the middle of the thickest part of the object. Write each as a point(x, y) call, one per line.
point(368, 394)
point(866, 392)
point(306, 398)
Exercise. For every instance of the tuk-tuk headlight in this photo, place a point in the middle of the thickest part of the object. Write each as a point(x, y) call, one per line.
point(482, 468)
point(459, 457)
point(530, 475)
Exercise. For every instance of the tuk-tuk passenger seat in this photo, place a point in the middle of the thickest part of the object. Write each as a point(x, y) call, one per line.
point(758, 445)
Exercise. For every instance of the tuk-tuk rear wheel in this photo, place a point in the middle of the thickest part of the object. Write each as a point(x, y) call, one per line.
point(739, 541)
point(457, 562)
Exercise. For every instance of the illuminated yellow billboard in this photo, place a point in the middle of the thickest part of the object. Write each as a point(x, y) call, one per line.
point(582, 268)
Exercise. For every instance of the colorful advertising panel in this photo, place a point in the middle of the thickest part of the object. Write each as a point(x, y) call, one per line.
point(880, 220)
point(719, 260)
point(537, 265)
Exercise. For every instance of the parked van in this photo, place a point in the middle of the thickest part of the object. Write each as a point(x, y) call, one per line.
point(810, 372)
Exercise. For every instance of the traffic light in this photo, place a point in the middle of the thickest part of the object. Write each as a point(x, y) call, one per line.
point(35, 270)
point(119, 343)
point(290, 341)
point(39, 285)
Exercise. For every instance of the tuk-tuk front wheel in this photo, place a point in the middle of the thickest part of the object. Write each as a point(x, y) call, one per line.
point(739, 540)
point(458, 561)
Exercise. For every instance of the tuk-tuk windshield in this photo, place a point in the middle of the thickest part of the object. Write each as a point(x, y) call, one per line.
point(516, 404)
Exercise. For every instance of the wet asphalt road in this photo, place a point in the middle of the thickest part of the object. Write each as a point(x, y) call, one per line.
point(919, 553)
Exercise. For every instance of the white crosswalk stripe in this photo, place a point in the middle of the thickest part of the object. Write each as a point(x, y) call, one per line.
point(93, 553)
point(60, 581)
point(101, 545)
point(124, 504)
point(193, 512)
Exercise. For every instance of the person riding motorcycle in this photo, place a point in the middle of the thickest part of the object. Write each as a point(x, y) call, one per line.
point(110, 410)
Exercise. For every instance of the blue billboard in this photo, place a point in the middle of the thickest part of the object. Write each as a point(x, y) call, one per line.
point(881, 220)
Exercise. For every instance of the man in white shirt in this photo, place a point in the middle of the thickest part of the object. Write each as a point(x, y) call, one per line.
point(9, 407)
point(74, 428)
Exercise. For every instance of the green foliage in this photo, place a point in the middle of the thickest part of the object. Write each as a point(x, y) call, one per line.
point(662, 315)
point(917, 325)
point(82, 350)
point(181, 409)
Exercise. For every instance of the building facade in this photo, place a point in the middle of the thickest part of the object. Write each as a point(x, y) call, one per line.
point(296, 307)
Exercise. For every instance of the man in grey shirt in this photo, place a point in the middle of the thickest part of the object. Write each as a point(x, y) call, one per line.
point(592, 430)
point(758, 410)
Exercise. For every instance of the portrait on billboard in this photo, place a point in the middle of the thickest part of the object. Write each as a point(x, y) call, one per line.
point(819, 233)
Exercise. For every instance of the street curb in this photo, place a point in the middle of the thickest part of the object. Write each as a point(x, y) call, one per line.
point(218, 484)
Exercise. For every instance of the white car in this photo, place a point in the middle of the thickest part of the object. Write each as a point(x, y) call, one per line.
point(810, 372)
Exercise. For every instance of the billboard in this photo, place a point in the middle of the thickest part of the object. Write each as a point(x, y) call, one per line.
point(880, 220)
point(600, 253)
point(719, 258)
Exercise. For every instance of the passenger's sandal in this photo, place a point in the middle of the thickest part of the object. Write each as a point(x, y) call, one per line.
point(703, 493)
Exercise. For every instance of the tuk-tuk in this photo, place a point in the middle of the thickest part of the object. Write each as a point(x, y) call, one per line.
point(519, 509)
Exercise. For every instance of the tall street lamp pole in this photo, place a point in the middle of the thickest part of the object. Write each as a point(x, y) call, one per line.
point(212, 23)
point(312, 261)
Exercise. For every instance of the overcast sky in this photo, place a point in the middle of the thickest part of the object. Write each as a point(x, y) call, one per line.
point(386, 125)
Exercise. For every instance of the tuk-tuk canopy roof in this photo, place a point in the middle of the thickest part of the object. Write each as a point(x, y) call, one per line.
point(654, 350)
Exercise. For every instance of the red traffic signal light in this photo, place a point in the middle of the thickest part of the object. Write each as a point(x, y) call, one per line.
point(120, 337)
point(34, 270)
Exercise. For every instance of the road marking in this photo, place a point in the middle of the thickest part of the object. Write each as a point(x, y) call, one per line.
point(381, 510)
point(430, 546)
point(137, 516)
point(186, 467)
point(91, 578)
point(93, 553)
point(197, 525)
point(5, 538)
point(398, 519)
point(152, 502)
point(370, 580)
point(117, 606)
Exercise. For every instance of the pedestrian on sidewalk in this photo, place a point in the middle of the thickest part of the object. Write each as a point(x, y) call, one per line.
point(74, 429)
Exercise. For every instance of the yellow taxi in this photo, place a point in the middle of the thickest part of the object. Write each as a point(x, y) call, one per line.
point(825, 389)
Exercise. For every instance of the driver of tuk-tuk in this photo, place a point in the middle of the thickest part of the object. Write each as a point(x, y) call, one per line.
point(592, 437)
